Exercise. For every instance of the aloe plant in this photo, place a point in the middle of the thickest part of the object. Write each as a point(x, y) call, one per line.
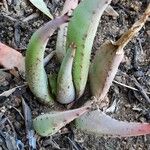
point(74, 69)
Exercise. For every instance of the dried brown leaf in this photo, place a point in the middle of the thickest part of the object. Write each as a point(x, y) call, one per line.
point(10, 58)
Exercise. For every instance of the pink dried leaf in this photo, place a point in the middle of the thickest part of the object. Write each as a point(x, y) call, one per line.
point(98, 123)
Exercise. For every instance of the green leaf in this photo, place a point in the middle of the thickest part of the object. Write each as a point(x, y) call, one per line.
point(40, 4)
point(51, 123)
point(34, 61)
point(81, 31)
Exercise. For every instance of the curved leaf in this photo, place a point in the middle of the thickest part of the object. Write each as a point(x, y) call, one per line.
point(34, 63)
point(98, 123)
point(48, 124)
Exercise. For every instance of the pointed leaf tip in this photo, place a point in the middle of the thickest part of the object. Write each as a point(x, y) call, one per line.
point(49, 124)
point(40, 4)
point(101, 124)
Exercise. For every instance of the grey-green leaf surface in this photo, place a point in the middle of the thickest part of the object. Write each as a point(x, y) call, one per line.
point(81, 31)
point(49, 124)
point(34, 62)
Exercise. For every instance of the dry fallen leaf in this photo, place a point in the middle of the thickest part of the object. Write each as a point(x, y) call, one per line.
point(111, 12)
point(10, 58)
point(10, 91)
point(40, 4)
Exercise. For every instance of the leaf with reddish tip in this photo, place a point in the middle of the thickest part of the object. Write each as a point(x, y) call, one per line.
point(69, 6)
point(40, 4)
point(34, 62)
point(98, 123)
point(48, 124)
point(108, 58)
point(10, 58)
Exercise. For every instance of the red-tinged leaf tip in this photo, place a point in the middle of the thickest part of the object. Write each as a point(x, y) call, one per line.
point(48, 29)
point(101, 124)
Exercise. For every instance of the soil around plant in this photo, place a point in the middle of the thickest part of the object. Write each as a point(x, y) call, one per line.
point(130, 105)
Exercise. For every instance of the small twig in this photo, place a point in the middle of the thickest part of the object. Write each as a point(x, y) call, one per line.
point(127, 86)
point(141, 90)
point(48, 57)
point(141, 48)
point(4, 69)
point(73, 144)
point(18, 112)
point(8, 17)
point(10, 91)
point(5, 5)
point(12, 127)
point(30, 17)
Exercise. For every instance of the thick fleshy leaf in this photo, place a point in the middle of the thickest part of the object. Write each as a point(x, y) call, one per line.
point(98, 123)
point(69, 6)
point(40, 4)
point(81, 31)
point(10, 58)
point(108, 58)
point(51, 123)
point(65, 87)
point(52, 78)
point(34, 62)
point(103, 69)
